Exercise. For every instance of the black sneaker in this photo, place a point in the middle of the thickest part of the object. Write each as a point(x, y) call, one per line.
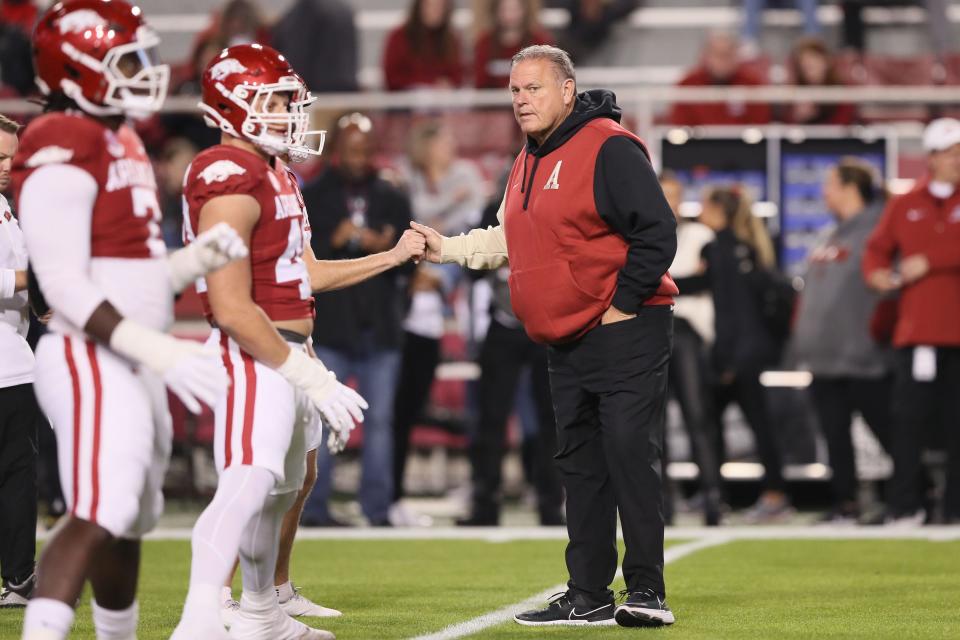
point(566, 609)
point(16, 596)
point(643, 609)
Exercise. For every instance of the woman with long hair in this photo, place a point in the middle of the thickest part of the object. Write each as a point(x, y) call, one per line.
point(513, 25)
point(811, 65)
point(738, 264)
point(425, 50)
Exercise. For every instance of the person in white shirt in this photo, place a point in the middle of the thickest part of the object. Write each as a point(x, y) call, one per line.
point(19, 414)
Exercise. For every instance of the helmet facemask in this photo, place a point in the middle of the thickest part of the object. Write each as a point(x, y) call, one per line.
point(136, 82)
point(278, 133)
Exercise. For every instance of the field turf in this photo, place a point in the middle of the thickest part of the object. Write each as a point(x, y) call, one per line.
point(744, 589)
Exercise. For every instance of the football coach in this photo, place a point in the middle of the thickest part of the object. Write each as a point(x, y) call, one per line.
point(589, 237)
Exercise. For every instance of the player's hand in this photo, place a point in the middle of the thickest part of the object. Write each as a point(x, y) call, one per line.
point(433, 240)
point(212, 249)
point(410, 246)
point(348, 405)
point(190, 370)
point(339, 405)
point(884, 280)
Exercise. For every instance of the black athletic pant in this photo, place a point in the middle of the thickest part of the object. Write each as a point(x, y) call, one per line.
point(688, 384)
point(417, 368)
point(505, 353)
point(835, 400)
point(751, 397)
point(19, 418)
point(610, 395)
point(915, 406)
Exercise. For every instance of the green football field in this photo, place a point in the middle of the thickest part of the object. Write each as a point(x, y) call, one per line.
point(737, 588)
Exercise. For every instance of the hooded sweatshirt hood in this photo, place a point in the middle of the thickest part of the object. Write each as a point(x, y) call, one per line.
point(588, 105)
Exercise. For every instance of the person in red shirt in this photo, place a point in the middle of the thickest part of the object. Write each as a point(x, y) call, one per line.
point(720, 66)
point(811, 66)
point(513, 26)
point(916, 248)
point(424, 51)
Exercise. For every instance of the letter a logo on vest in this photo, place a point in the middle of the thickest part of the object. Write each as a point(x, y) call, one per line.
point(553, 181)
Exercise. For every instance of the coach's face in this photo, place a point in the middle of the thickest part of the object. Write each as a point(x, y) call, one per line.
point(8, 149)
point(540, 99)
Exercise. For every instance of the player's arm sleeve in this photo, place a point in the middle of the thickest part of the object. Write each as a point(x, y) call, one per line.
point(479, 249)
point(628, 197)
point(56, 225)
point(8, 283)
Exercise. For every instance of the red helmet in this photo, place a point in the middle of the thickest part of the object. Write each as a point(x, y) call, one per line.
point(99, 53)
point(238, 85)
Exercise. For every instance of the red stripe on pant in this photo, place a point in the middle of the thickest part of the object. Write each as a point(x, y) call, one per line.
point(75, 384)
point(97, 410)
point(248, 406)
point(228, 433)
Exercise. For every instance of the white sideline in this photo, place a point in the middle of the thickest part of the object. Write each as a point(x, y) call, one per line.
point(494, 618)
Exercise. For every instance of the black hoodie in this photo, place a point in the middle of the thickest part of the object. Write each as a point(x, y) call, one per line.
point(627, 196)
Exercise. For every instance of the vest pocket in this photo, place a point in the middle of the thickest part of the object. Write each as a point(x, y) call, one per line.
point(550, 303)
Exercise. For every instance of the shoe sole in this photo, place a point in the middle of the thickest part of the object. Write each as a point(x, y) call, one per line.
point(642, 617)
point(567, 623)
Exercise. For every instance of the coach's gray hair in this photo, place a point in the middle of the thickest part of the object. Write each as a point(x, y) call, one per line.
point(560, 59)
point(8, 125)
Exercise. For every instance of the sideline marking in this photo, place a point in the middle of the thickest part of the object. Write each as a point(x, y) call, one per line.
point(506, 614)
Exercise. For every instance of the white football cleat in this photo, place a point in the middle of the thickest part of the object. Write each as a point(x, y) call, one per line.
point(299, 606)
point(275, 625)
point(229, 610)
point(186, 632)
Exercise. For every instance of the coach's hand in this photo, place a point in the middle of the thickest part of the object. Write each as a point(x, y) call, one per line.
point(434, 241)
point(410, 246)
point(613, 315)
point(340, 406)
point(190, 370)
point(212, 249)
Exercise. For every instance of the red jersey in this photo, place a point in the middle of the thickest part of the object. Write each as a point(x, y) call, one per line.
point(280, 282)
point(126, 213)
point(919, 223)
point(694, 114)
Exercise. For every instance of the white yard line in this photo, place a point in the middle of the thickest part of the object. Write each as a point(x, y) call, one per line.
point(494, 618)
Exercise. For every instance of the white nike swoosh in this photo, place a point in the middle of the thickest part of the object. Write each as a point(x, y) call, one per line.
point(574, 614)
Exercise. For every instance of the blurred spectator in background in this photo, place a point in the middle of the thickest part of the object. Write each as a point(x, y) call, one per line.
point(720, 66)
point(830, 338)
point(739, 265)
point(319, 38)
point(424, 51)
point(507, 350)
point(354, 213)
point(513, 26)
point(445, 193)
point(240, 22)
point(689, 370)
point(590, 24)
point(16, 60)
point(753, 21)
point(811, 66)
point(921, 231)
point(854, 26)
point(21, 14)
point(171, 166)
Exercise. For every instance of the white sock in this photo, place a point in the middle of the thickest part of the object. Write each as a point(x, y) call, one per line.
point(226, 595)
point(241, 493)
point(260, 544)
point(259, 602)
point(284, 591)
point(47, 619)
point(115, 625)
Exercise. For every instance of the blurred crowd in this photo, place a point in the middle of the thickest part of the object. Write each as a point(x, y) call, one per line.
point(866, 326)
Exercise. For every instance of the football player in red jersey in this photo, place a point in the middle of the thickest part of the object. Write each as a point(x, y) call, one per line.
point(262, 312)
point(88, 206)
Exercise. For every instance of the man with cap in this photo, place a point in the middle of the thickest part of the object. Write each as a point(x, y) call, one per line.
point(916, 248)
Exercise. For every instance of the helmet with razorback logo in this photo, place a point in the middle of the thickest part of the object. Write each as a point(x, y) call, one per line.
point(238, 86)
point(100, 54)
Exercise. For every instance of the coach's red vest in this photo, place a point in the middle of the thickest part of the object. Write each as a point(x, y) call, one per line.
point(564, 258)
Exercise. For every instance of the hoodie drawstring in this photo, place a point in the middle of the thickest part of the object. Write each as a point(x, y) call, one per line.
point(533, 173)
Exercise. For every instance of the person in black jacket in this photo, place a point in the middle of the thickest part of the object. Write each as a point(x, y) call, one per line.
point(738, 265)
point(358, 332)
